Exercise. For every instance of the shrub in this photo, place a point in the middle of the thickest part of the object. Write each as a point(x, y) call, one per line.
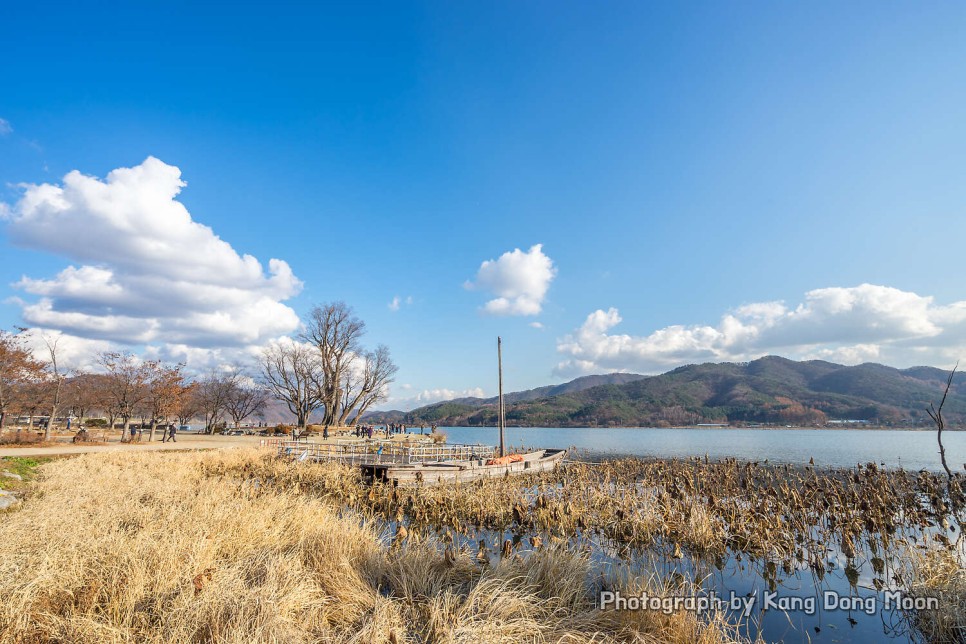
point(21, 438)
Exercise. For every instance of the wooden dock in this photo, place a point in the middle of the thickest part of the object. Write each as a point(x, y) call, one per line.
point(394, 462)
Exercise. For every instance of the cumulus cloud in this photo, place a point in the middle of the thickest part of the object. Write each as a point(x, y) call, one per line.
point(536, 325)
point(73, 353)
point(849, 325)
point(518, 279)
point(144, 272)
point(5, 127)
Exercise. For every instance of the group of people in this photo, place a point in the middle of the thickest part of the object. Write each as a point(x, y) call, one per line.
point(168, 432)
point(366, 431)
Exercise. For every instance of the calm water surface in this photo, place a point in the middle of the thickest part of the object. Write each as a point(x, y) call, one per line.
point(910, 449)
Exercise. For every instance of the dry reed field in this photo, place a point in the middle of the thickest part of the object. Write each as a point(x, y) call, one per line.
point(782, 521)
point(236, 546)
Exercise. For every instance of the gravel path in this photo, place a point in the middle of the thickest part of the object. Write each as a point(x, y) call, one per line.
point(184, 441)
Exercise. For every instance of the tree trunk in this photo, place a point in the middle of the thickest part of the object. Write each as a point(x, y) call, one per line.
point(151, 437)
point(3, 419)
point(50, 423)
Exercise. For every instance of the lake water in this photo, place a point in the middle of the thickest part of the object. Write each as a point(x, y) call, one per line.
point(867, 618)
point(910, 449)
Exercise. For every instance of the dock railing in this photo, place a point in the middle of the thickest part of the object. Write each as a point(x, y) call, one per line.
point(381, 452)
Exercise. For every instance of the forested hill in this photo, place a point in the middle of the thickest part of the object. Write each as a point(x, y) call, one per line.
point(578, 384)
point(771, 390)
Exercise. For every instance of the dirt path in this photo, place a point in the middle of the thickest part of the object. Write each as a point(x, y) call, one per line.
point(184, 441)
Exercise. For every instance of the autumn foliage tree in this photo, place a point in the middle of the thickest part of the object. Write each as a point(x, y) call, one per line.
point(18, 367)
point(188, 403)
point(165, 386)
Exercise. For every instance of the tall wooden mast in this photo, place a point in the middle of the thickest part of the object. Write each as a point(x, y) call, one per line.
point(499, 361)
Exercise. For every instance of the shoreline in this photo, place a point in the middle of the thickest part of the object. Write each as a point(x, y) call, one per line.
point(698, 427)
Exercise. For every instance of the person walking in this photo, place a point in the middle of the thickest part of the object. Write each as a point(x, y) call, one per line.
point(171, 433)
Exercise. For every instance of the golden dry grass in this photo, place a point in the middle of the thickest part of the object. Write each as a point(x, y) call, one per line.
point(938, 572)
point(167, 547)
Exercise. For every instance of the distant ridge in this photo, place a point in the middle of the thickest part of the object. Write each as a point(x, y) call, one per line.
point(573, 386)
point(770, 390)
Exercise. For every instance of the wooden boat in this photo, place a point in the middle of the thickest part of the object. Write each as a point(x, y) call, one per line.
point(462, 471)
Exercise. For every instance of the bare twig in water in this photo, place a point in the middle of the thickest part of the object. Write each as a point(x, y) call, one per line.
point(937, 417)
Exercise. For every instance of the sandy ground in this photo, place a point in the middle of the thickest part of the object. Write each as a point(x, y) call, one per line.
point(184, 441)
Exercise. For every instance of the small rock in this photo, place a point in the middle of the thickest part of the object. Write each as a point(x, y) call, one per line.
point(11, 475)
point(7, 500)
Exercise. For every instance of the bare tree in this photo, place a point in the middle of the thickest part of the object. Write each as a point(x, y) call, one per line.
point(335, 331)
point(213, 393)
point(369, 385)
point(294, 373)
point(937, 417)
point(56, 383)
point(244, 399)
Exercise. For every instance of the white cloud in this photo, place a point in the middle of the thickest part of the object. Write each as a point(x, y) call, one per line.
point(537, 325)
point(396, 303)
point(849, 325)
point(428, 397)
point(5, 127)
point(146, 273)
point(518, 279)
point(73, 353)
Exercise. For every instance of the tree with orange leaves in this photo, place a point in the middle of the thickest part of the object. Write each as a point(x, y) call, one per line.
point(164, 388)
point(17, 367)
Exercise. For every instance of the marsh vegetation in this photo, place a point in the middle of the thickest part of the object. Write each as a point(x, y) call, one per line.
point(239, 545)
point(862, 531)
point(192, 547)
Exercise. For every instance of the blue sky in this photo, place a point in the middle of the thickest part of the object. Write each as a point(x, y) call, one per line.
point(727, 180)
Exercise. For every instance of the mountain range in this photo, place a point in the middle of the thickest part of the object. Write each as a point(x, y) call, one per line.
point(771, 390)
